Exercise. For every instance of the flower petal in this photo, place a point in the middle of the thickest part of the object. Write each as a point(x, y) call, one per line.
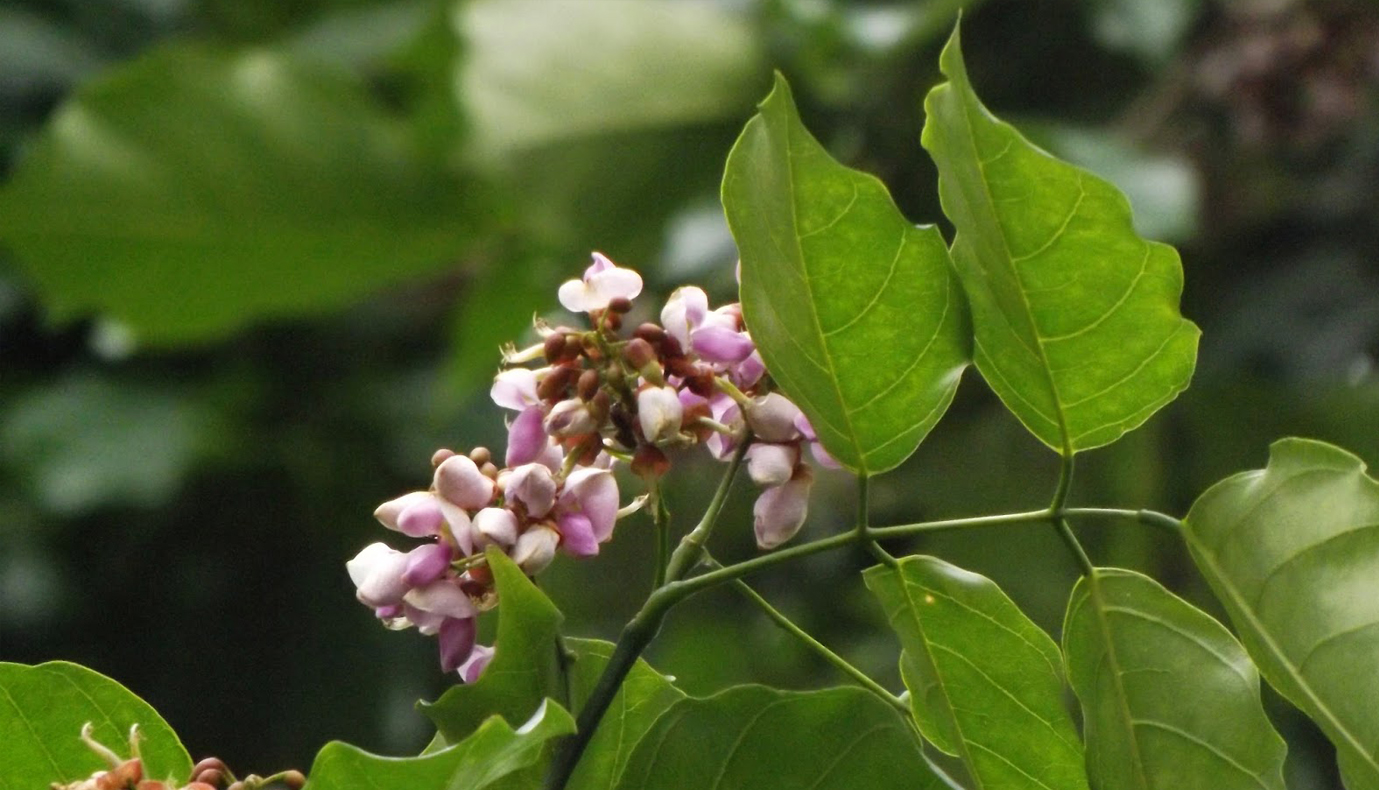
point(577, 535)
point(780, 511)
point(459, 481)
point(534, 486)
point(456, 642)
point(771, 464)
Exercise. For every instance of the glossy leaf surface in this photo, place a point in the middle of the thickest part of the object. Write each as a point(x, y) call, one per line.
point(1075, 316)
point(644, 696)
point(42, 710)
point(986, 684)
point(751, 737)
point(855, 310)
point(1170, 700)
point(1292, 551)
point(492, 752)
point(193, 191)
point(523, 670)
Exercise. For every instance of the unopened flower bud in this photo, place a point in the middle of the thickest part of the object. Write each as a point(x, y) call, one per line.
point(554, 347)
point(659, 411)
point(294, 779)
point(780, 511)
point(209, 764)
point(554, 385)
point(587, 385)
point(649, 462)
point(570, 418)
point(772, 418)
point(211, 777)
point(426, 564)
point(456, 639)
point(771, 464)
point(701, 383)
point(613, 320)
point(651, 333)
point(619, 304)
point(478, 660)
point(489, 470)
point(440, 456)
point(639, 353)
point(480, 456)
point(535, 549)
point(494, 525)
point(459, 482)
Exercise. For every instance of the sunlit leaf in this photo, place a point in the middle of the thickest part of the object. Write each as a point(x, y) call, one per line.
point(524, 669)
point(986, 684)
point(193, 191)
point(643, 697)
point(42, 710)
point(751, 737)
point(855, 310)
point(1292, 551)
point(1076, 317)
point(494, 751)
point(1169, 699)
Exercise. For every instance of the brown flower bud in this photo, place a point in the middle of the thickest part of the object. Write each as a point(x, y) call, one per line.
point(553, 386)
point(639, 353)
point(701, 383)
point(588, 384)
point(554, 348)
point(489, 470)
point(293, 779)
point(651, 333)
point(215, 763)
point(480, 456)
point(671, 347)
point(619, 304)
point(437, 458)
point(650, 462)
point(214, 777)
point(613, 320)
point(680, 366)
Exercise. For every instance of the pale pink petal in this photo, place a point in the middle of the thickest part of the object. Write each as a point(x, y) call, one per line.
point(422, 518)
point(600, 263)
point(494, 525)
point(780, 511)
point(821, 455)
point(771, 464)
point(377, 575)
point(615, 283)
point(535, 549)
point(659, 411)
point(459, 481)
point(772, 418)
point(534, 486)
point(478, 660)
point(441, 597)
point(683, 311)
point(389, 512)
point(721, 345)
point(593, 492)
point(514, 389)
point(570, 418)
point(746, 374)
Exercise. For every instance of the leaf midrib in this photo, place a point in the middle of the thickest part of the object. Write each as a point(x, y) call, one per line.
point(970, 139)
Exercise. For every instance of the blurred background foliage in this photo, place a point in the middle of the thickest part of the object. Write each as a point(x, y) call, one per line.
point(257, 256)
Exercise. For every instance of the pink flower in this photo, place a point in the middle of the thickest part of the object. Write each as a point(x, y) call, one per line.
point(527, 439)
point(592, 493)
point(377, 575)
point(570, 418)
point(603, 282)
point(720, 338)
point(461, 486)
point(533, 486)
point(430, 605)
point(771, 464)
point(683, 311)
point(494, 525)
point(772, 418)
point(780, 511)
point(515, 388)
point(535, 549)
point(427, 563)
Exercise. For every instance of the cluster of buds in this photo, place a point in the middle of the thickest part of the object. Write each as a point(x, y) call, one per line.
point(603, 395)
point(128, 773)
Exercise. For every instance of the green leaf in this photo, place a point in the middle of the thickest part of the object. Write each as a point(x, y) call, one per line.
point(532, 77)
point(193, 191)
point(492, 752)
point(986, 684)
point(644, 695)
point(1292, 551)
point(42, 710)
point(524, 669)
point(1076, 317)
point(855, 310)
point(752, 737)
point(1169, 699)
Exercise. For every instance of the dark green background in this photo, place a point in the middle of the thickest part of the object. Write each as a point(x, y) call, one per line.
point(176, 511)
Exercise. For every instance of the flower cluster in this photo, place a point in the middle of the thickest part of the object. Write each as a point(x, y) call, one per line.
point(128, 773)
point(602, 396)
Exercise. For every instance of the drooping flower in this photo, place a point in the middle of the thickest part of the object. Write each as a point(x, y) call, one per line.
point(780, 511)
point(772, 418)
point(771, 464)
point(603, 282)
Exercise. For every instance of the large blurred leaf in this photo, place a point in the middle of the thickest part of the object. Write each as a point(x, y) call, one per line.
point(986, 684)
point(523, 670)
point(1076, 317)
point(537, 72)
point(643, 697)
point(855, 310)
point(752, 737)
point(492, 752)
point(42, 710)
point(193, 191)
point(1292, 551)
point(46, 440)
point(1169, 699)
